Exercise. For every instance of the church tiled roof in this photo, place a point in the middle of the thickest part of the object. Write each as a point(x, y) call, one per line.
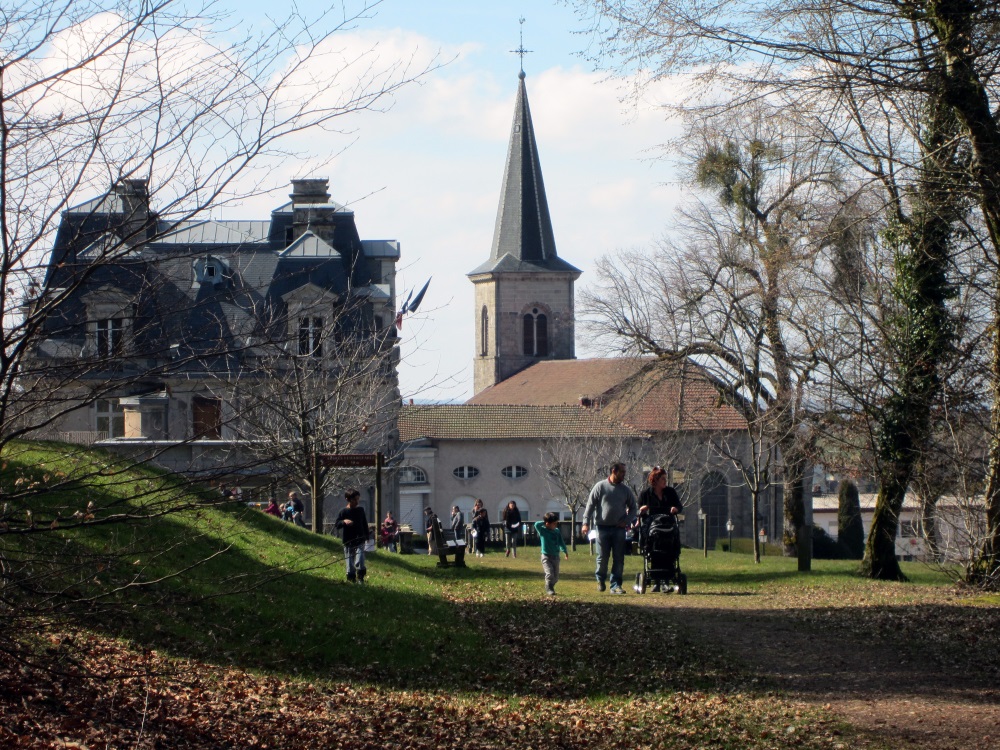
point(640, 392)
point(489, 422)
point(556, 382)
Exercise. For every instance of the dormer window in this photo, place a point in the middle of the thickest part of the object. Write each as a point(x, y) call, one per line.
point(209, 270)
point(109, 337)
point(310, 312)
point(110, 317)
point(311, 336)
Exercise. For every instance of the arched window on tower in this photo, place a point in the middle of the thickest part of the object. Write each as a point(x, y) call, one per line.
point(541, 335)
point(484, 332)
point(536, 334)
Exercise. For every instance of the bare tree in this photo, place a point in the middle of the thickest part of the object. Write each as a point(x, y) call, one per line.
point(573, 464)
point(331, 388)
point(730, 294)
point(104, 93)
point(896, 86)
point(169, 104)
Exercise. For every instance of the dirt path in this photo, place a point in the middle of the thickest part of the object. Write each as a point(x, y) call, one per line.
point(902, 694)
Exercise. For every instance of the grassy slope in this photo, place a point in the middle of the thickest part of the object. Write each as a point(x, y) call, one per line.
point(275, 602)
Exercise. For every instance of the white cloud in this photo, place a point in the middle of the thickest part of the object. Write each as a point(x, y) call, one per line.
point(428, 173)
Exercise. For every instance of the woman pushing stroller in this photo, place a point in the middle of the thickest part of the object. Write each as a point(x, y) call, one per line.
point(659, 538)
point(657, 498)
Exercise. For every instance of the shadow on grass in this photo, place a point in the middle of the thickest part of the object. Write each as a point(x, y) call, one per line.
point(287, 610)
point(743, 576)
point(695, 592)
point(939, 651)
point(263, 595)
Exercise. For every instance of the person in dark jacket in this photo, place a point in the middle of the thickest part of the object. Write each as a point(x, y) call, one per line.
point(480, 527)
point(511, 528)
point(296, 514)
point(430, 521)
point(658, 498)
point(354, 523)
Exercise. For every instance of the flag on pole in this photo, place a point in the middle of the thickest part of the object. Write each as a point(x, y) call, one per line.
point(409, 306)
point(420, 296)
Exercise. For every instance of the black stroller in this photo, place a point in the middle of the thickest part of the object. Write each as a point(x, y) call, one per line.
point(660, 547)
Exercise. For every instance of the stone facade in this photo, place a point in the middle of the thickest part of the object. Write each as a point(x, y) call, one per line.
point(159, 342)
point(502, 301)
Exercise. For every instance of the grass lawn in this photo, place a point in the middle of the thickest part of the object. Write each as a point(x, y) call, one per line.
point(264, 644)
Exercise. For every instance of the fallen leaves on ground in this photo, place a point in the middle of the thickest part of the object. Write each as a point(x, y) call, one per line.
point(164, 703)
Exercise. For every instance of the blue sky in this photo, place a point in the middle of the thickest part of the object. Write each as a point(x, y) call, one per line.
point(427, 172)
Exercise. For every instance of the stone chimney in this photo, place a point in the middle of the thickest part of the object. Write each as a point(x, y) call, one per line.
point(312, 209)
point(136, 215)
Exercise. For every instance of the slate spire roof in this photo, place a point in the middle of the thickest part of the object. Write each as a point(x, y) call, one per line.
point(522, 238)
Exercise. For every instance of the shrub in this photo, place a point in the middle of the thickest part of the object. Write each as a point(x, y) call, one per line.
point(825, 547)
point(851, 531)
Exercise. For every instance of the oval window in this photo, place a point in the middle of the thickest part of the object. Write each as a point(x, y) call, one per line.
point(514, 472)
point(466, 472)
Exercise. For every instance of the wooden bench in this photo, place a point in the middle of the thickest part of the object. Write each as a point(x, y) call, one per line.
point(443, 547)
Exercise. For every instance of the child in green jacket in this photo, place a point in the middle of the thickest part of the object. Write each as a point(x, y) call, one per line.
point(552, 541)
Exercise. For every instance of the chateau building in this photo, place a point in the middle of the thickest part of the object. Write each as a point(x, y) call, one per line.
point(170, 338)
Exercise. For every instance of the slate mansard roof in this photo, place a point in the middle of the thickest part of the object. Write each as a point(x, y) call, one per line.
point(523, 240)
point(108, 246)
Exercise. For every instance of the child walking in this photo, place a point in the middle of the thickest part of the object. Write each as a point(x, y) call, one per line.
point(552, 541)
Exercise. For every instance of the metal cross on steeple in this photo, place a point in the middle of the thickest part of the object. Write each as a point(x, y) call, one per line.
point(521, 51)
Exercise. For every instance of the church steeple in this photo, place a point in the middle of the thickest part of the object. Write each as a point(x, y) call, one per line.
point(522, 237)
point(524, 292)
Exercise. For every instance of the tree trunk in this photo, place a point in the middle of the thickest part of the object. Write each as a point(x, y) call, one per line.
point(921, 331)
point(794, 492)
point(928, 523)
point(880, 550)
point(754, 509)
point(955, 24)
point(572, 528)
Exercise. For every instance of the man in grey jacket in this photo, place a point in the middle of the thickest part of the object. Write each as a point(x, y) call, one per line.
point(612, 508)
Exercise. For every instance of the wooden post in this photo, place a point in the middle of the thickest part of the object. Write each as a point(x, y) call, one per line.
point(805, 548)
point(317, 497)
point(378, 494)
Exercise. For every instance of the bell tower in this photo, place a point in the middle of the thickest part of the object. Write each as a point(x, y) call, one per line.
point(524, 293)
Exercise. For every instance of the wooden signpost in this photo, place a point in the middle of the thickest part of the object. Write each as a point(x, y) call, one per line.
point(353, 461)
